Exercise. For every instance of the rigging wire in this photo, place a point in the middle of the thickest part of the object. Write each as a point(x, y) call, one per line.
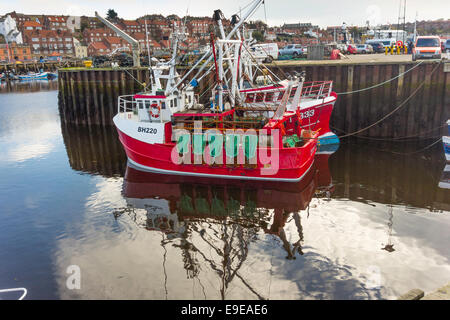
point(413, 152)
point(384, 82)
point(398, 139)
point(390, 113)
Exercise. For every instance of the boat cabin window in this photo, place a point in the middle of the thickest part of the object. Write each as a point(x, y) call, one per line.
point(141, 104)
point(293, 91)
point(259, 97)
point(176, 103)
point(163, 105)
point(147, 104)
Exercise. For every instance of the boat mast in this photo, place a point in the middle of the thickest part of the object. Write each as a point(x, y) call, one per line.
point(252, 9)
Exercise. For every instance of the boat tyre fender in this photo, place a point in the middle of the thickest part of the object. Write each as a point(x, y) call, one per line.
point(239, 113)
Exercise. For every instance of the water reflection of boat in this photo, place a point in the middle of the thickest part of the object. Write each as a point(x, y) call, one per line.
point(197, 196)
point(291, 196)
point(324, 180)
point(170, 200)
point(52, 75)
point(219, 215)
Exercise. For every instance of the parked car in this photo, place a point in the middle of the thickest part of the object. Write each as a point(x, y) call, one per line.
point(295, 50)
point(364, 48)
point(385, 42)
point(378, 47)
point(266, 52)
point(351, 49)
point(447, 46)
point(427, 47)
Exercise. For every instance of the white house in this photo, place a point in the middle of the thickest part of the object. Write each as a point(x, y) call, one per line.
point(8, 28)
point(80, 50)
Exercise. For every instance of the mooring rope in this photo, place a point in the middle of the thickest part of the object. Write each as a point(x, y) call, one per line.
point(140, 83)
point(414, 152)
point(398, 139)
point(390, 113)
point(382, 83)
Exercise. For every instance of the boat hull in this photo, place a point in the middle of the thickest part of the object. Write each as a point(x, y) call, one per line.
point(446, 143)
point(291, 165)
point(39, 76)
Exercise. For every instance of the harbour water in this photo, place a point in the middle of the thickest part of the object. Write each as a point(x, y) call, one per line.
point(370, 222)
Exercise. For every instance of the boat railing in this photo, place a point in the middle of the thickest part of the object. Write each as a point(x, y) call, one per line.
point(317, 89)
point(126, 104)
point(310, 90)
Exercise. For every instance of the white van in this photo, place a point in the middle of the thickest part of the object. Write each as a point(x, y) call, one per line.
point(266, 52)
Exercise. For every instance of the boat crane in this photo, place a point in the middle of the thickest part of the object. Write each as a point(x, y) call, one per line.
point(135, 47)
point(208, 54)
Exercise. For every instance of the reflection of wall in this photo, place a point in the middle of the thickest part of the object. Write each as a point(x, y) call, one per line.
point(28, 86)
point(94, 149)
point(361, 171)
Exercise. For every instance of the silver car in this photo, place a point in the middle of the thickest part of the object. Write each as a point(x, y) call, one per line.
point(364, 48)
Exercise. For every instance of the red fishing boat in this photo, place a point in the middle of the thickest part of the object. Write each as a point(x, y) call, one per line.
point(284, 152)
point(169, 131)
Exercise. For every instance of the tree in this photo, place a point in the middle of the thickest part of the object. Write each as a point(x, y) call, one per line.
point(112, 15)
point(258, 36)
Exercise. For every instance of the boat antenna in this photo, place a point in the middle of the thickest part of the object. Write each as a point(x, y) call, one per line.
point(265, 12)
point(148, 45)
point(187, 12)
point(208, 55)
